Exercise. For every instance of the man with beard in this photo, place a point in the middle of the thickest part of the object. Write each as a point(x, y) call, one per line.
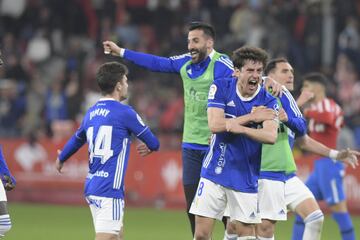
point(231, 168)
point(198, 69)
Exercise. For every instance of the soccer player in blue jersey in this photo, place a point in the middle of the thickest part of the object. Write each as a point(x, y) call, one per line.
point(107, 127)
point(8, 183)
point(231, 167)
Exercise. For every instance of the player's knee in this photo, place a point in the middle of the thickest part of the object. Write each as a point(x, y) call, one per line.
point(315, 219)
point(202, 235)
point(231, 228)
point(5, 225)
point(265, 229)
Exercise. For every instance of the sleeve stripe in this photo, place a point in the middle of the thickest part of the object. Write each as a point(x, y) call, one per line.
point(142, 131)
point(215, 103)
point(293, 104)
point(180, 56)
point(225, 59)
point(226, 64)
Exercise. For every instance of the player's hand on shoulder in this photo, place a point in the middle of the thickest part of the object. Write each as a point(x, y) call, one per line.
point(143, 150)
point(262, 113)
point(349, 156)
point(58, 164)
point(111, 48)
point(273, 87)
point(9, 182)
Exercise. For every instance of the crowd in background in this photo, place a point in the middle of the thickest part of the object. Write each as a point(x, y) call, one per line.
point(52, 49)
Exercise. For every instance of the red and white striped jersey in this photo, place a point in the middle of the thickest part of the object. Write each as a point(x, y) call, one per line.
point(325, 120)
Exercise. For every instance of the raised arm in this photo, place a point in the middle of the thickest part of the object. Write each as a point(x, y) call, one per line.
point(148, 61)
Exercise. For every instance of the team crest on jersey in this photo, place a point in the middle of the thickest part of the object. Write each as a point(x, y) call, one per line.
point(212, 91)
point(254, 108)
point(140, 120)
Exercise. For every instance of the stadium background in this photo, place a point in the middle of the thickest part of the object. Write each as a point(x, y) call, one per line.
point(52, 49)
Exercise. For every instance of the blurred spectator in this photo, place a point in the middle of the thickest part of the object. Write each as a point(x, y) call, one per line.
point(56, 106)
point(349, 38)
point(348, 79)
point(12, 109)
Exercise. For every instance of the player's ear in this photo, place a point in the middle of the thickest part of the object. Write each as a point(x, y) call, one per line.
point(210, 42)
point(118, 86)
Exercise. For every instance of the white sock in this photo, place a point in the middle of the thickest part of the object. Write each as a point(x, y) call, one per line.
point(264, 238)
point(230, 236)
point(247, 238)
point(313, 225)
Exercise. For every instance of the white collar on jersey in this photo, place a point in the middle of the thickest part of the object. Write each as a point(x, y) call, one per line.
point(107, 99)
point(248, 98)
point(212, 54)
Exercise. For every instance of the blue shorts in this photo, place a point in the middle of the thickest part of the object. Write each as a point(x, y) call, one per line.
point(192, 161)
point(326, 181)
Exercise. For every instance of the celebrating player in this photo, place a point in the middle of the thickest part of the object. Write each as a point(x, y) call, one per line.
point(107, 127)
point(231, 167)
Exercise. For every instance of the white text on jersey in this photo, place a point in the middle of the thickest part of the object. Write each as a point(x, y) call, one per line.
point(99, 112)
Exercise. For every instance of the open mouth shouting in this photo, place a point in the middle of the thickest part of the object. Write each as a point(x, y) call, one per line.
point(194, 53)
point(252, 84)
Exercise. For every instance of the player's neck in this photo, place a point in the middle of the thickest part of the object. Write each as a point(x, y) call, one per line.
point(113, 96)
point(319, 97)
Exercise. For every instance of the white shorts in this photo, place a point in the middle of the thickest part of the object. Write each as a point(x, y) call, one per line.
point(3, 197)
point(211, 200)
point(295, 192)
point(107, 213)
point(272, 200)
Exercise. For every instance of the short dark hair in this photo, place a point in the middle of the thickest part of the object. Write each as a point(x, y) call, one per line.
point(109, 74)
point(245, 53)
point(316, 77)
point(207, 28)
point(271, 65)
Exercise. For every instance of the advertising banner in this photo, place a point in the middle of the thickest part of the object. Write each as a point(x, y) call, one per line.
point(154, 180)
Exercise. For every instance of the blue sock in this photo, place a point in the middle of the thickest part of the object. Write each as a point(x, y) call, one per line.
point(298, 229)
point(344, 222)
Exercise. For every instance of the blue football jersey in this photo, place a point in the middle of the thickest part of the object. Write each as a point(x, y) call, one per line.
point(233, 160)
point(107, 127)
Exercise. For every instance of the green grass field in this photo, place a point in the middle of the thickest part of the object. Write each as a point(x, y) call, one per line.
point(52, 222)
